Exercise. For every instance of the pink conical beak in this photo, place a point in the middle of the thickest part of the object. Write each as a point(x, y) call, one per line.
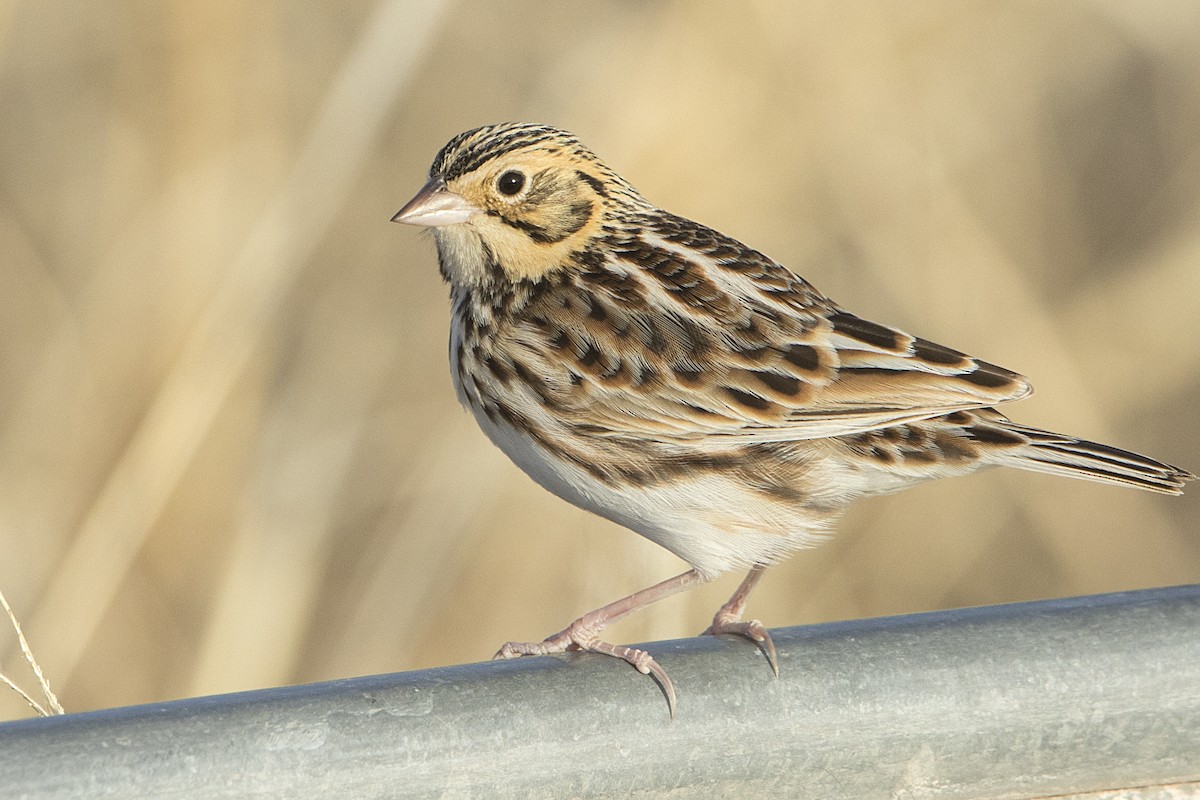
point(435, 206)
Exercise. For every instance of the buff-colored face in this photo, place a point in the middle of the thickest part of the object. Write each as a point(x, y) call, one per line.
point(519, 213)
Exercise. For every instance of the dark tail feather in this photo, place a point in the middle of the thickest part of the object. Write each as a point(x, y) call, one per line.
point(1078, 458)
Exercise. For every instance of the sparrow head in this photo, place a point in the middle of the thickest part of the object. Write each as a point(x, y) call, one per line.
point(513, 202)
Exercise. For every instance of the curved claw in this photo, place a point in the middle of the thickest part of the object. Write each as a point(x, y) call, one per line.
point(583, 633)
point(567, 640)
point(748, 629)
point(644, 663)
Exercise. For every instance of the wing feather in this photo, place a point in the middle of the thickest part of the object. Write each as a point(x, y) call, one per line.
point(686, 334)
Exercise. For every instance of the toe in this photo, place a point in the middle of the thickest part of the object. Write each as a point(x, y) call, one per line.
point(753, 630)
point(644, 663)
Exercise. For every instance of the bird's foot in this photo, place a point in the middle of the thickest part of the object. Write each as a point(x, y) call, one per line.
point(727, 622)
point(579, 637)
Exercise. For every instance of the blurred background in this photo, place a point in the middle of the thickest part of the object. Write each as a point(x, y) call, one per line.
point(230, 453)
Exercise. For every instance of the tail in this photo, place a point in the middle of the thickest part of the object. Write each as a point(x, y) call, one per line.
point(1077, 458)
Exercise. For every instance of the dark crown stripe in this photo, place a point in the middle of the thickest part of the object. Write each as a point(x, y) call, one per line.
point(469, 151)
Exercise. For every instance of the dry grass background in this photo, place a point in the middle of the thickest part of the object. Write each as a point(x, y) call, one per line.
point(230, 456)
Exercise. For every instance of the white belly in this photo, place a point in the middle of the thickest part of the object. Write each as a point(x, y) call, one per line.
point(707, 520)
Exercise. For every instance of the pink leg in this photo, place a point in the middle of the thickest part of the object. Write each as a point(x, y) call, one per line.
point(583, 633)
point(728, 619)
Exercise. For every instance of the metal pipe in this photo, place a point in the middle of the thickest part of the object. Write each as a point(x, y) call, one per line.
point(1017, 701)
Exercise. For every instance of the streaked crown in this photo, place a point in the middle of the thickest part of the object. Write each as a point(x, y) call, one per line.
point(516, 201)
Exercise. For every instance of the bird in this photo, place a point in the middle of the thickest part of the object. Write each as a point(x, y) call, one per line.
point(680, 383)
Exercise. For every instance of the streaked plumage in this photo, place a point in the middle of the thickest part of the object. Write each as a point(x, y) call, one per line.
point(669, 378)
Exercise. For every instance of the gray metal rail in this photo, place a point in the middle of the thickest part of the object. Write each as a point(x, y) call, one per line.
point(1017, 701)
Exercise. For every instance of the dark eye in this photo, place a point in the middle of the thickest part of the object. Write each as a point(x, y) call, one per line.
point(511, 182)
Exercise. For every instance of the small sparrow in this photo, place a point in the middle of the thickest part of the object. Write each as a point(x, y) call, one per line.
point(671, 379)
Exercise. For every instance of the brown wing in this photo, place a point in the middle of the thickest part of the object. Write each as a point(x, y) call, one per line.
point(684, 333)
